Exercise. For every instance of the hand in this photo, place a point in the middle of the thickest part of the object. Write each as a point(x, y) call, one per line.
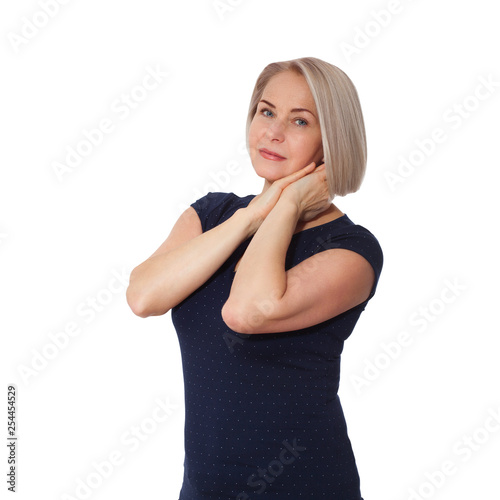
point(310, 193)
point(262, 204)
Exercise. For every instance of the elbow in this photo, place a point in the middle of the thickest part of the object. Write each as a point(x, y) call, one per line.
point(138, 299)
point(233, 319)
point(136, 303)
point(240, 319)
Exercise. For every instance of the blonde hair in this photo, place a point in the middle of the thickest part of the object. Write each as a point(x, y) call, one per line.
point(340, 119)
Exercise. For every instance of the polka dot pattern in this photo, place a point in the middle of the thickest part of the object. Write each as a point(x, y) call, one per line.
point(263, 418)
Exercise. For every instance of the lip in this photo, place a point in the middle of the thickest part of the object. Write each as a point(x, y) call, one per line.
point(270, 155)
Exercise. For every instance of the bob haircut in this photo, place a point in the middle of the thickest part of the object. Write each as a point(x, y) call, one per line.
point(340, 119)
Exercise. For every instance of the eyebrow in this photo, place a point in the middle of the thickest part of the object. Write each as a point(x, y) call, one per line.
point(294, 110)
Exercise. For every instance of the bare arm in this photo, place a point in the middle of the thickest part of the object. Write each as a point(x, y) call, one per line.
point(186, 260)
point(265, 298)
point(189, 257)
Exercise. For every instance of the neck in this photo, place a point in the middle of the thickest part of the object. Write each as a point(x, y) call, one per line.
point(331, 213)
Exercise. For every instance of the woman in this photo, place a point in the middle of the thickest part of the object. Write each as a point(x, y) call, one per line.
point(264, 290)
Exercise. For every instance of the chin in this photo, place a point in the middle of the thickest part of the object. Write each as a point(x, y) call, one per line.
point(269, 173)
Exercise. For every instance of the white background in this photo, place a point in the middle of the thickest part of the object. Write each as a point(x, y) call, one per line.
point(62, 239)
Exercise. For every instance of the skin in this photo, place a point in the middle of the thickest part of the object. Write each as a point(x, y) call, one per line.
point(264, 298)
point(294, 135)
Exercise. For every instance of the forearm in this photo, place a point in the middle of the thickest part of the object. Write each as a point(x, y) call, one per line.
point(165, 280)
point(261, 278)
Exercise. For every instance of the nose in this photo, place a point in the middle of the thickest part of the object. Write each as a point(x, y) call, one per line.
point(275, 132)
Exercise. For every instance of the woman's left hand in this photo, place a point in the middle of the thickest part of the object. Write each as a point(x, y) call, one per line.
point(310, 193)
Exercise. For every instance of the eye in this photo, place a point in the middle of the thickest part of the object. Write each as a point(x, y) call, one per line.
point(264, 112)
point(302, 124)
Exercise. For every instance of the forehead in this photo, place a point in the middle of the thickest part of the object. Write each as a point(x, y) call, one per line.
point(290, 89)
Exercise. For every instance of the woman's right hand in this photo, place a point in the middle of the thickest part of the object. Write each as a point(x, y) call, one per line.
point(263, 203)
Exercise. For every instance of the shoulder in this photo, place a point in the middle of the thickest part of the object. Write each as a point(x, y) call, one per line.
point(215, 207)
point(345, 234)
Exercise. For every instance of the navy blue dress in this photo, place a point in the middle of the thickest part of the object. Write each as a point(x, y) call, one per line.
point(263, 419)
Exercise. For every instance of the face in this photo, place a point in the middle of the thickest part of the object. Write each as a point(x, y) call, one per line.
point(284, 134)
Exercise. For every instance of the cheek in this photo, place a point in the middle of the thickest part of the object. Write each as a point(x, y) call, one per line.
point(253, 131)
point(251, 135)
point(307, 147)
point(313, 146)
point(253, 141)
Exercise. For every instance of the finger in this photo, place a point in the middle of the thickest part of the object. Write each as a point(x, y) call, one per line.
point(303, 171)
point(295, 176)
point(310, 167)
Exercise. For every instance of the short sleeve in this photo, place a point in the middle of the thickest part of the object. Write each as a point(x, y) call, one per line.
point(209, 208)
point(359, 240)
